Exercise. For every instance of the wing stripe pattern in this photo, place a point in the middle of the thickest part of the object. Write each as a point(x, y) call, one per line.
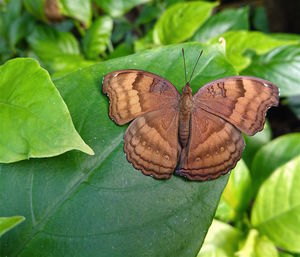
point(214, 148)
point(242, 101)
point(149, 148)
point(133, 93)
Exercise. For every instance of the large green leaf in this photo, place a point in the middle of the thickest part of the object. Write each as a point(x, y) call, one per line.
point(273, 155)
point(237, 194)
point(237, 42)
point(281, 66)
point(77, 9)
point(276, 211)
point(7, 223)
point(222, 240)
point(77, 205)
point(180, 21)
point(97, 37)
point(229, 19)
point(118, 7)
point(35, 121)
point(257, 245)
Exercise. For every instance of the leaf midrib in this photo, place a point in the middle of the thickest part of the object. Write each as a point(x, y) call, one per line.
point(39, 225)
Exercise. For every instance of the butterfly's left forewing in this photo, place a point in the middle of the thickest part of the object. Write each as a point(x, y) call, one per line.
point(243, 101)
point(214, 147)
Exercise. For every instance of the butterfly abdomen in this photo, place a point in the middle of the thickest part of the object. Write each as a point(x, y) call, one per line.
point(186, 103)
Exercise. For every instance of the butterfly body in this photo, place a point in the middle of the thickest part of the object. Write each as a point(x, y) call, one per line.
point(186, 104)
point(199, 136)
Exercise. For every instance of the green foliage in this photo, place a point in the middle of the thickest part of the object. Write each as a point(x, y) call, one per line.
point(7, 223)
point(238, 42)
point(221, 241)
point(181, 21)
point(221, 22)
point(277, 206)
point(273, 155)
point(236, 197)
point(116, 8)
point(287, 60)
point(78, 205)
point(103, 198)
point(78, 9)
point(36, 8)
point(97, 37)
point(33, 125)
point(257, 246)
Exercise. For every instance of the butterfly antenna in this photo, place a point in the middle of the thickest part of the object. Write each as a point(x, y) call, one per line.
point(195, 66)
point(184, 65)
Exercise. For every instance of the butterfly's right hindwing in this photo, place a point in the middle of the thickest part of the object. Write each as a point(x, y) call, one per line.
point(151, 143)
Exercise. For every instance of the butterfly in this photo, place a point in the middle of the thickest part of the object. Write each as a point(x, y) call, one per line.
point(197, 136)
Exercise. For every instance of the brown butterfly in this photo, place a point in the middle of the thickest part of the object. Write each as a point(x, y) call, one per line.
point(198, 135)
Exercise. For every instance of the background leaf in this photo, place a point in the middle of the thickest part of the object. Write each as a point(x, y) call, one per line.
point(237, 194)
point(36, 8)
point(58, 51)
point(77, 9)
point(116, 8)
point(257, 246)
point(254, 143)
point(294, 103)
point(47, 42)
point(281, 66)
point(97, 37)
point(227, 20)
point(222, 240)
point(274, 154)
point(77, 205)
point(7, 223)
point(180, 21)
point(276, 211)
point(237, 42)
point(33, 125)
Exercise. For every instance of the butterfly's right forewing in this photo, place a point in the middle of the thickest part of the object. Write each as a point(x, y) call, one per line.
point(135, 92)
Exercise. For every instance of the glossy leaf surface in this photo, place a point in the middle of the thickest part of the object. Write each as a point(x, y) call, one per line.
point(7, 223)
point(227, 20)
point(276, 211)
point(97, 37)
point(281, 66)
point(33, 124)
point(274, 154)
point(180, 21)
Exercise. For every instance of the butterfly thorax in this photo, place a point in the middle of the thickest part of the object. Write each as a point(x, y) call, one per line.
point(186, 103)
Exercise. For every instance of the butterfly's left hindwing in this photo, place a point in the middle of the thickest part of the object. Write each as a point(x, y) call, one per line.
point(214, 147)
